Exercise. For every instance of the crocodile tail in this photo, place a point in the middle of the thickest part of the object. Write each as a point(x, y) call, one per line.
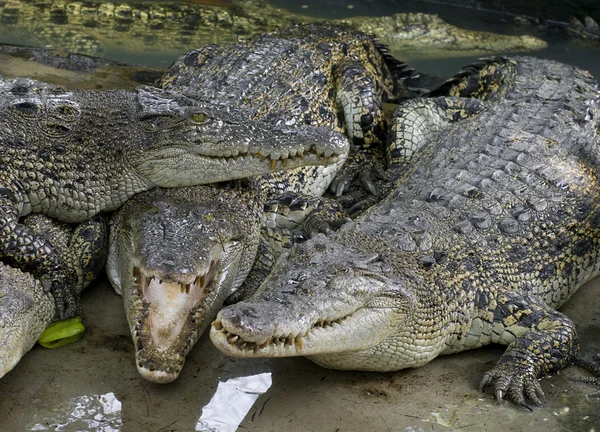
point(399, 70)
point(486, 80)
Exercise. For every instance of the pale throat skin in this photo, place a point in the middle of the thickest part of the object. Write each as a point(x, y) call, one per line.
point(493, 223)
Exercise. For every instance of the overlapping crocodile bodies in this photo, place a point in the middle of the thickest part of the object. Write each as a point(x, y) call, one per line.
point(72, 154)
point(496, 225)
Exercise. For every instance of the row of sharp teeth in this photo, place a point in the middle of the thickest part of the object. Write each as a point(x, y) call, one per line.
point(200, 281)
point(286, 341)
point(284, 158)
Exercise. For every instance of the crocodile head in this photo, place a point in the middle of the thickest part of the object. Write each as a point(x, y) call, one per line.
point(175, 255)
point(25, 311)
point(324, 299)
point(419, 35)
point(190, 142)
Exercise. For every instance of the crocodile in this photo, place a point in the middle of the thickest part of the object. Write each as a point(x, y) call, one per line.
point(493, 223)
point(102, 28)
point(73, 154)
point(73, 71)
point(175, 256)
point(25, 309)
point(280, 78)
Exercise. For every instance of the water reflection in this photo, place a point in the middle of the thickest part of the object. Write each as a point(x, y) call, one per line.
point(231, 402)
point(97, 412)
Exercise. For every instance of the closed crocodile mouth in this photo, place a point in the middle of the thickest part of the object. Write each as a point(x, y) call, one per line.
point(293, 157)
point(237, 342)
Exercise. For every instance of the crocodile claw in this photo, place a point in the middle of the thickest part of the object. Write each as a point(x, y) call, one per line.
point(516, 382)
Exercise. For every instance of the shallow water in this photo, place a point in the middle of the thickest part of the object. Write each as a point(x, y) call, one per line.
point(94, 384)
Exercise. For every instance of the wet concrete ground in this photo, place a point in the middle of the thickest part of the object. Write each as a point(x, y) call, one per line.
point(94, 385)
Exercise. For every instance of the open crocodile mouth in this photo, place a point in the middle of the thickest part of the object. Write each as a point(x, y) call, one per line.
point(170, 303)
point(292, 344)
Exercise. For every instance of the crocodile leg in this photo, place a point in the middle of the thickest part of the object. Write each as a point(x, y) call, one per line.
point(541, 342)
point(24, 248)
point(306, 213)
point(82, 250)
point(88, 249)
point(414, 123)
point(360, 101)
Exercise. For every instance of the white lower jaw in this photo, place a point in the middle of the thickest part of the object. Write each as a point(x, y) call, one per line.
point(358, 331)
point(169, 309)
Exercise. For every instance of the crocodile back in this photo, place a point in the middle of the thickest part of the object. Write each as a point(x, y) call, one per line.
point(506, 198)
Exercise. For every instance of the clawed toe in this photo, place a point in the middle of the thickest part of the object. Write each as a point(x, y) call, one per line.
point(514, 384)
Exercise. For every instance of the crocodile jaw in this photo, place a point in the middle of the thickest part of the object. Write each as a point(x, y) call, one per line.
point(352, 332)
point(167, 316)
point(346, 314)
point(199, 159)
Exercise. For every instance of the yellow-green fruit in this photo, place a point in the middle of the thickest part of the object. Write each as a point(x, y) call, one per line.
point(62, 333)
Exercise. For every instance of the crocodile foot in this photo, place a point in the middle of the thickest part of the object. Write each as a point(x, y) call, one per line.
point(65, 299)
point(516, 381)
point(362, 169)
point(592, 366)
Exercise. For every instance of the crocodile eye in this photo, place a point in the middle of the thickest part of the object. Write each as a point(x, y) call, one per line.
point(199, 117)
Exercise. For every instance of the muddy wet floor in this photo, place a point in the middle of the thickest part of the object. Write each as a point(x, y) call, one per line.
point(94, 385)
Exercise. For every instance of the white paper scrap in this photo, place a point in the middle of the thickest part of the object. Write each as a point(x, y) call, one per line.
point(231, 402)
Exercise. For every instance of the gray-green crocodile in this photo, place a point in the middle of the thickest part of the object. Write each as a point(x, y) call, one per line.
point(175, 256)
point(315, 74)
point(73, 154)
point(73, 71)
point(494, 223)
point(25, 309)
point(172, 28)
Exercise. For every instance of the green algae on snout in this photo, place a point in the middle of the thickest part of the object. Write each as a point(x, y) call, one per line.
point(62, 333)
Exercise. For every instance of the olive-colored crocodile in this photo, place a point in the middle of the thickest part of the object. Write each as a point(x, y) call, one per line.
point(73, 71)
point(98, 28)
point(25, 309)
point(312, 74)
point(494, 223)
point(73, 154)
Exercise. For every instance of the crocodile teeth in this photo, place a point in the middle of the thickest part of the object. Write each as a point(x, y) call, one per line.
point(284, 163)
point(187, 288)
point(273, 164)
point(268, 342)
point(231, 340)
